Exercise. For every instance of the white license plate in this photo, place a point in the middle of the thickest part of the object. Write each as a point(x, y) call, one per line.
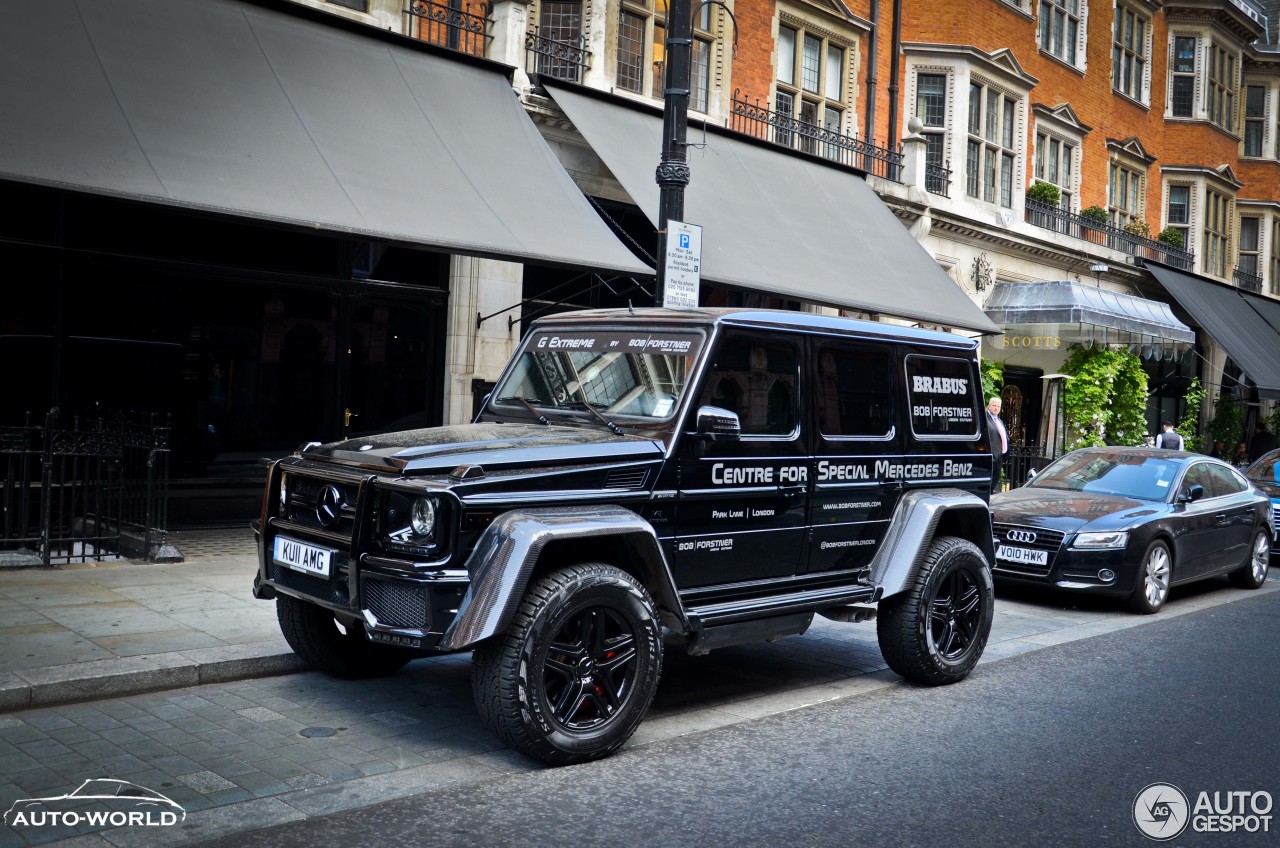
point(1023, 556)
point(303, 557)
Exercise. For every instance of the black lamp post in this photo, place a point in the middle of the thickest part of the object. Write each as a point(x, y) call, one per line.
point(673, 168)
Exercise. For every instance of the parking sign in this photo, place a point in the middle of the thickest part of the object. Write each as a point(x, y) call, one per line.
point(683, 265)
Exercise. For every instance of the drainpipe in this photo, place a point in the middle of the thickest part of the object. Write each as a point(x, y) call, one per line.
point(893, 75)
point(869, 124)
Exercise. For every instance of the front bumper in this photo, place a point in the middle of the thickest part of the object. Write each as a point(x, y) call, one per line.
point(1100, 572)
point(397, 600)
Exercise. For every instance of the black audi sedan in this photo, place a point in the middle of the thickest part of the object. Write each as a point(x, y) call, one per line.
point(1130, 523)
point(1265, 474)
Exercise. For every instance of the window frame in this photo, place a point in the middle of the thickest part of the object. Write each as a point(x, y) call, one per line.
point(817, 99)
point(1184, 226)
point(935, 134)
point(1216, 248)
point(1133, 190)
point(1175, 75)
point(1254, 253)
point(1074, 48)
point(1252, 120)
point(1068, 150)
point(992, 176)
point(1220, 86)
point(1122, 47)
point(1274, 264)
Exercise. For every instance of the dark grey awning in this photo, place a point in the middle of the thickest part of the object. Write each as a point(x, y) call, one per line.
point(1266, 307)
point(231, 107)
point(1064, 303)
point(1238, 328)
point(778, 222)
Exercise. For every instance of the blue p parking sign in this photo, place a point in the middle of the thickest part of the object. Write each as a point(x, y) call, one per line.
point(684, 241)
point(683, 265)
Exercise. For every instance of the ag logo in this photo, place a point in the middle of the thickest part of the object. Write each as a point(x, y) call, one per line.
point(1160, 811)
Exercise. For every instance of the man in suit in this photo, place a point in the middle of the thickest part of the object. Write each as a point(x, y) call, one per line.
point(1169, 437)
point(1263, 440)
point(999, 441)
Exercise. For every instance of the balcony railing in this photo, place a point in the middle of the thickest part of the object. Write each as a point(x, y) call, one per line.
point(1247, 281)
point(458, 25)
point(937, 179)
point(761, 122)
point(555, 58)
point(1051, 217)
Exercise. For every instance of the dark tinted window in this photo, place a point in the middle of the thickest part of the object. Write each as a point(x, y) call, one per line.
point(854, 391)
point(1225, 481)
point(943, 397)
point(758, 379)
point(1198, 475)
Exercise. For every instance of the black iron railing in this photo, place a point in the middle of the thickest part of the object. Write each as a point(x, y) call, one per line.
point(458, 25)
point(937, 179)
point(759, 121)
point(1051, 217)
point(1021, 460)
point(556, 58)
point(1247, 280)
point(86, 492)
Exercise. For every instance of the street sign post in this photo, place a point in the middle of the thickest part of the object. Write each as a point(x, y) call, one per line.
point(683, 265)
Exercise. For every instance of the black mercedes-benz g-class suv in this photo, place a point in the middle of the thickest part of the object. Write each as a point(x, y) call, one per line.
point(641, 479)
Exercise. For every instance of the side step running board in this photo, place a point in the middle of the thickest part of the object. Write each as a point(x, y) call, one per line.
point(811, 600)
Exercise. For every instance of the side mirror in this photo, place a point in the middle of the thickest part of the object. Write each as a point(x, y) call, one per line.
point(718, 425)
point(1031, 474)
point(1193, 493)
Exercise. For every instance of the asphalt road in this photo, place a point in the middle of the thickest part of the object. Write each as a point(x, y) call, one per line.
point(1044, 749)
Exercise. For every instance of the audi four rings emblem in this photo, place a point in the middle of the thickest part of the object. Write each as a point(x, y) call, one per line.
point(1026, 537)
point(329, 506)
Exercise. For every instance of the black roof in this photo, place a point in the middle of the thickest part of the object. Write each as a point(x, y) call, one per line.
point(780, 319)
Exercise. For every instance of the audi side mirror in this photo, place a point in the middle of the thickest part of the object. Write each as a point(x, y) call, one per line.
point(718, 425)
point(1193, 493)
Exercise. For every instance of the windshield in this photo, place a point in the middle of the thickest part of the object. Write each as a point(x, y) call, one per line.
point(1144, 478)
point(628, 373)
point(1267, 469)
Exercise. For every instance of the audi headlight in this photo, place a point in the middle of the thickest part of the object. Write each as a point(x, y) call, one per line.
point(1101, 541)
point(422, 517)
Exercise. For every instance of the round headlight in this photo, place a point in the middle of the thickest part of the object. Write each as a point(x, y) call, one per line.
point(422, 516)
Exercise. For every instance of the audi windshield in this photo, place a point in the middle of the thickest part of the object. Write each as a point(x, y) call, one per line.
point(1144, 478)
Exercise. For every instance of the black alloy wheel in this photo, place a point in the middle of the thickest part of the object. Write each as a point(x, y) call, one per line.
point(935, 631)
point(574, 674)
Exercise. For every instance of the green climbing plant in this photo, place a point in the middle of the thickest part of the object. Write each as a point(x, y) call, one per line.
point(1106, 401)
point(1189, 424)
point(992, 378)
point(1227, 425)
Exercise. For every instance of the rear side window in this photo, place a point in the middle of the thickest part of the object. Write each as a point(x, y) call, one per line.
point(1225, 481)
point(854, 392)
point(943, 397)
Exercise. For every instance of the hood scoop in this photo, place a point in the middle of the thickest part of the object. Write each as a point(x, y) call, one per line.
point(626, 478)
point(467, 472)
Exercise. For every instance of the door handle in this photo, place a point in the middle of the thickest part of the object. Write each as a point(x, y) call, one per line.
point(791, 491)
point(1222, 518)
point(347, 415)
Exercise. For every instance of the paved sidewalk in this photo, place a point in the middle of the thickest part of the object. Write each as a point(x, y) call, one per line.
point(240, 753)
point(99, 630)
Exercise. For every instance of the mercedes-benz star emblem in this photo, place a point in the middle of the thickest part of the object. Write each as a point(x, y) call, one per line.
point(329, 506)
point(1025, 537)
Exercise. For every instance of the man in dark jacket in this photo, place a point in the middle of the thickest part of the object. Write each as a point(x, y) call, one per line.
point(999, 441)
point(1169, 437)
point(1263, 440)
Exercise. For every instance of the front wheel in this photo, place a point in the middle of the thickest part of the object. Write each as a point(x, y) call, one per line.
point(935, 631)
point(327, 645)
point(1253, 573)
point(574, 675)
point(1154, 575)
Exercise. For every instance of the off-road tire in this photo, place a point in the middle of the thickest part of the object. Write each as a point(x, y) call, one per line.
point(935, 632)
point(594, 621)
point(1155, 577)
point(313, 634)
point(1253, 573)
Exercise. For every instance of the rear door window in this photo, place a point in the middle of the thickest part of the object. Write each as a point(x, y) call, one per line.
point(943, 400)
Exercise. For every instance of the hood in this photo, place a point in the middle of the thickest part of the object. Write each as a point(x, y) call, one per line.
point(1069, 511)
point(442, 449)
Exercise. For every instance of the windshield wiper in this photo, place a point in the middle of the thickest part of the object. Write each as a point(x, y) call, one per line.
point(591, 406)
point(542, 419)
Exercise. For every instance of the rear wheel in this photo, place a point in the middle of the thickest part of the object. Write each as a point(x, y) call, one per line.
point(1253, 573)
point(340, 650)
point(1154, 575)
point(575, 673)
point(936, 631)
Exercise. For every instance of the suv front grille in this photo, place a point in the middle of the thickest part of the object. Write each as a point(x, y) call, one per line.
point(397, 604)
point(304, 503)
point(1045, 540)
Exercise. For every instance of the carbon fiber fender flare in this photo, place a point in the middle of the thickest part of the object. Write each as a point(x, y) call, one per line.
point(920, 517)
point(507, 551)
